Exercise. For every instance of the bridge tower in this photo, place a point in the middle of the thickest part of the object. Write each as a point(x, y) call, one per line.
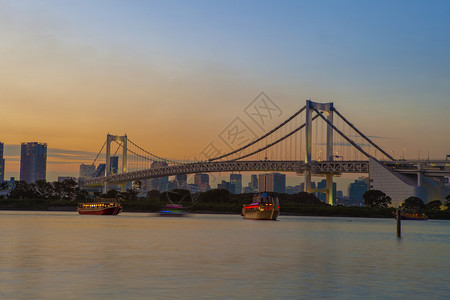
point(327, 109)
point(110, 138)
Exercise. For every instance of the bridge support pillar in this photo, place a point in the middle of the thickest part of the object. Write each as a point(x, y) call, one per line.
point(330, 189)
point(108, 168)
point(327, 109)
point(307, 182)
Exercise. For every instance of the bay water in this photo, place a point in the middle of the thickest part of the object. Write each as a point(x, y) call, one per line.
point(63, 255)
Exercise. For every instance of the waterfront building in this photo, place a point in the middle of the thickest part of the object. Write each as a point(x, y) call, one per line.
point(236, 182)
point(202, 182)
point(33, 162)
point(2, 164)
point(87, 171)
point(400, 186)
point(272, 182)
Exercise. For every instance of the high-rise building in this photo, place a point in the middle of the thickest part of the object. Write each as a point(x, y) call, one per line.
point(202, 181)
point(2, 164)
point(236, 182)
point(33, 162)
point(100, 171)
point(114, 161)
point(356, 191)
point(180, 182)
point(273, 182)
point(254, 182)
point(87, 171)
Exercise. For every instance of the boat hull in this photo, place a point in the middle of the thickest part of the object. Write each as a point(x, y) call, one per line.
point(100, 211)
point(261, 215)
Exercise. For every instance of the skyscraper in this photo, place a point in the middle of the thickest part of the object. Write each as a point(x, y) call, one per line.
point(2, 164)
point(202, 181)
point(33, 161)
point(273, 182)
point(254, 182)
point(87, 171)
point(236, 182)
point(114, 161)
point(356, 191)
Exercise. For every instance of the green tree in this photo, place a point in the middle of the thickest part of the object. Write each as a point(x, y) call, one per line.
point(414, 203)
point(436, 204)
point(376, 199)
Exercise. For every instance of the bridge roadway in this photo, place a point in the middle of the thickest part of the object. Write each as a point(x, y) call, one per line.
point(316, 167)
point(427, 168)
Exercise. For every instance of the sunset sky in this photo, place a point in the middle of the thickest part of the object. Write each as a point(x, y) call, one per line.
point(173, 74)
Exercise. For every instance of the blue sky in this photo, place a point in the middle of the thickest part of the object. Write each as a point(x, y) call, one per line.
point(76, 70)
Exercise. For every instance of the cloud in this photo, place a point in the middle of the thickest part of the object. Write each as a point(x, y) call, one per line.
point(54, 155)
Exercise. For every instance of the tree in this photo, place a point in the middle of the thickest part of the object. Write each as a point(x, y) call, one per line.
point(23, 190)
point(414, 203)
point(436, 204)
point(376, 199)
point(447, 201)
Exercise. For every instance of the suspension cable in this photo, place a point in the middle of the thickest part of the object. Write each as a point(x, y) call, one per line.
point(343, 135)
point(98, 154)
point(156, 156)
point(275, 142)
point(260, 138)
point(362, 134)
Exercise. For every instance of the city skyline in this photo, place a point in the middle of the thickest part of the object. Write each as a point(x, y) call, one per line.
point(71, 75)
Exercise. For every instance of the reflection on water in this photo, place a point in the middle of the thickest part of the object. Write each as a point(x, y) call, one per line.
point(59, 255)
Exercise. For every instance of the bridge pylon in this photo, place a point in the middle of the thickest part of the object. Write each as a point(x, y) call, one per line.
point(327, 109)
point(108, 169)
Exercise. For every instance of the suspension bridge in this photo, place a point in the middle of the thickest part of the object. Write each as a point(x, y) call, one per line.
point(317, 140)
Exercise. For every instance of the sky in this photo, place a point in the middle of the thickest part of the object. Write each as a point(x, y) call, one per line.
point(173, 74)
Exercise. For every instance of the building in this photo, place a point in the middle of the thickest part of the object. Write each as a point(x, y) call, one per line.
point(202, 182)
point(159, 184)
point(273, 182)
point(100, 171)
point(2, 164)
point(401, 186)
point(87, 171)
point(114, 163)
point(254, 182)
point(33, 162)
point(356, 191)
point(236, 182)
point(224, 185)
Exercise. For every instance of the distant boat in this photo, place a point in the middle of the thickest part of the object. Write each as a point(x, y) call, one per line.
point(100, 207)
point(263, 207)
point(412, 216)
point(172, 210)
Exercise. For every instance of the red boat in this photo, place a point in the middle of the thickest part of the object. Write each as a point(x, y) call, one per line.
point(105, 207)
